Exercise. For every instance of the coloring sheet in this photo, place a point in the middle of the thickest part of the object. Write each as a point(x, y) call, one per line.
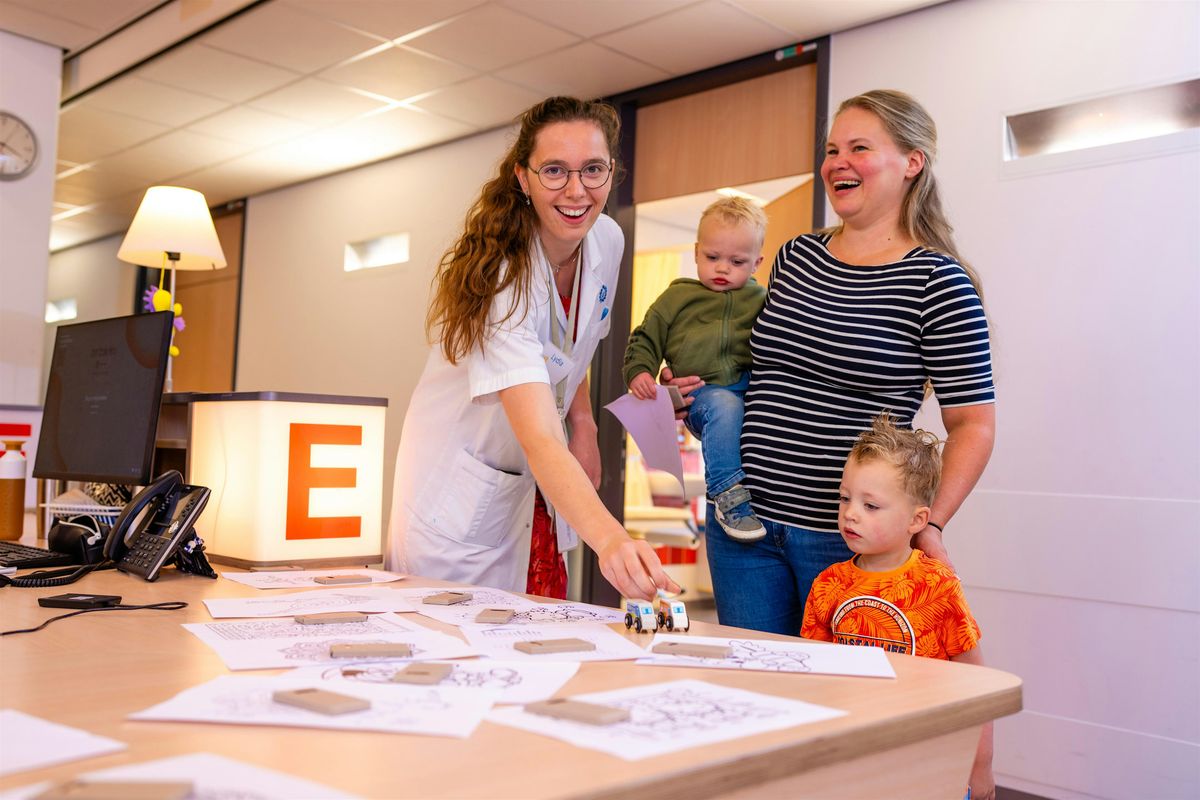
point(531, 614)
point(497, 642)
point(365, 598)
point(668, 717)
point(28, 742)
point(395, 708)
point(768, 655)
point(213, 777)
point(481, 598)
point(303, 578)
point(273, 643)
point(511, 681)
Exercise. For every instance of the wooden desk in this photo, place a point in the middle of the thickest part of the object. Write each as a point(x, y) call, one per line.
point(913, 737)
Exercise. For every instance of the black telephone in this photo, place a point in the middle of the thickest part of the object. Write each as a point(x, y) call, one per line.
point(156, 526)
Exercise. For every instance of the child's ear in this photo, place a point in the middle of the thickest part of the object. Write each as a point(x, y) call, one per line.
point(920, 519)
point(758, 261)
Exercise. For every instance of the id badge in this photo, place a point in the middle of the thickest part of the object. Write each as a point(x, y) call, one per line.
point(558, 363)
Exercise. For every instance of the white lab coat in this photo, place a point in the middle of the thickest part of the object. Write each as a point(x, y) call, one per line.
point(462, 503)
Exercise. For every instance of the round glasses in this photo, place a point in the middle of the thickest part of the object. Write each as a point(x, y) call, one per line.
point(556, 176)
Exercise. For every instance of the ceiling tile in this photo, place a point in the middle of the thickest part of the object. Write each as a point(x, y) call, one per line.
point(215, 73)
point(172, 154)
point(33, 23)
point(288, 38)
point(86, 133)
point(397, 73)
point(585, 70)
point(74, 195)
point(250, 126)
point(490, 37)
point(482, 102)
point(316, 102)
point(101, 183)
point(102, 17)
point(154, 102)
point(808, 19)
point(590, 19)
point(244, 176)
point(386, 18)
point(714, 32)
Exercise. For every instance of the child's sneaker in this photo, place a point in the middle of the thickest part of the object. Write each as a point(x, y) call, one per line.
point(735, 516)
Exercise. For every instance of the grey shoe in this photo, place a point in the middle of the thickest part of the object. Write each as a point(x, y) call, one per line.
point(735, 516)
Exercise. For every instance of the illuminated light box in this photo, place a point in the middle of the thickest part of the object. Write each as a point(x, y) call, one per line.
point(295, 478)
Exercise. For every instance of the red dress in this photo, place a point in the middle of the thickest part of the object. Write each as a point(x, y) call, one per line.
point(547, 569)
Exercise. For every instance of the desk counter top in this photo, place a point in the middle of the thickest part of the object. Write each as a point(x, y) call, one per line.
point(910, 737)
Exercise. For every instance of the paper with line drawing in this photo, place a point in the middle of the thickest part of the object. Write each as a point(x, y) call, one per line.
point(770, 655)
point(303, 578)
point(365, 598)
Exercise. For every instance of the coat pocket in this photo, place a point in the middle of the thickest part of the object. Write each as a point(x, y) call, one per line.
point(473, 503)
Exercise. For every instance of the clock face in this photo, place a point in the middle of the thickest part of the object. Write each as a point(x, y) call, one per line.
point(18, 147)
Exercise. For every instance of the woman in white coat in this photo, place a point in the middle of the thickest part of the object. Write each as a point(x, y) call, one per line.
point(499, 442)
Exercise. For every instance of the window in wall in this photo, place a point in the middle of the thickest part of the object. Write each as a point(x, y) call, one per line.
point(1125, 117)
point(382, 251)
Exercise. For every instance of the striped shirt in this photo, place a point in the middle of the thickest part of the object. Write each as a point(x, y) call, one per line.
point(835, 345)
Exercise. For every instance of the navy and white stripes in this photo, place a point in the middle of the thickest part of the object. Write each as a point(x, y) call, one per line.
point(837, 344)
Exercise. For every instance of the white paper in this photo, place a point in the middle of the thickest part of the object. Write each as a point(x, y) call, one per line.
point(531, 614)
point(273, 643)
point(769, 655)
point(303, 578)
point(509, 681)
point(651, 423)
point(213, 777)
point(481, 598)
point(498, 641)
point(396, 708)
point(668, 717)
point(366, 598)
point(28, 742)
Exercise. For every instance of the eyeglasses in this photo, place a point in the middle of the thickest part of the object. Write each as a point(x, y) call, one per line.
point(556, 176)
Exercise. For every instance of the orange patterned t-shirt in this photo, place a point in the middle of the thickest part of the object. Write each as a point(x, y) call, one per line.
point(919, 607)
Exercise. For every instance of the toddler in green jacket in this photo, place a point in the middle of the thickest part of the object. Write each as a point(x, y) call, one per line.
point(702, 327)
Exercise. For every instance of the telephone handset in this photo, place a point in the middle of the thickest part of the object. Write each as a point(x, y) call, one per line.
point(156, 527)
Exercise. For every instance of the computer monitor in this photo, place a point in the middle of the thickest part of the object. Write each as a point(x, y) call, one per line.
point(102, 399)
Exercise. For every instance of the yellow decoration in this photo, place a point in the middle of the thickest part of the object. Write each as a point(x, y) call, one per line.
point(174, 351)
point(178, 309)
point(162, 300)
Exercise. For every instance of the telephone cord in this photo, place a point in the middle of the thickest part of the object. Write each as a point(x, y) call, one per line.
point(174, 605)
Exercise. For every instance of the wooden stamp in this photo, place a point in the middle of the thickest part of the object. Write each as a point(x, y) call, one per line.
point(689, 649)
point(423, 673)
point(577, 711)
point(331, 618)
point(321, 701)
point(370, 650)
point(337, 580)
point(495, 616)
point(542, 646)
point(447, 598)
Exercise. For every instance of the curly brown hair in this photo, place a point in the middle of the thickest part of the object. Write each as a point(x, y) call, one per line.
point(914, 453)
point(493, 252)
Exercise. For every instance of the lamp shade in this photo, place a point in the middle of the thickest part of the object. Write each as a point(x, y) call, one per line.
point(172, 219)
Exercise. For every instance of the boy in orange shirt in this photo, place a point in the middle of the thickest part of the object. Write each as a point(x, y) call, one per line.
point(890, 595)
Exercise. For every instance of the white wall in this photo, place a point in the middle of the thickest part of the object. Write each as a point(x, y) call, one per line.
point(1081, 547)
point(30, 75)
point(308, 326)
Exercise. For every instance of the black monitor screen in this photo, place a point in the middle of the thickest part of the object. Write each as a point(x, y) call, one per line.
point(102, 399)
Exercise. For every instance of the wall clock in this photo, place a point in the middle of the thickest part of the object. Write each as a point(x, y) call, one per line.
point(18, 147)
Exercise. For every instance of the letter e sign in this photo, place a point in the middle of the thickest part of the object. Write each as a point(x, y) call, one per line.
point(303, 477)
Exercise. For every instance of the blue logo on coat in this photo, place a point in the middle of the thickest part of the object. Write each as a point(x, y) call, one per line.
point(604, 313)
point(603, 294)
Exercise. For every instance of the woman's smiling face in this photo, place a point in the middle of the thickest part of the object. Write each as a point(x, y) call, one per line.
point(566, 215)
point(866, 175)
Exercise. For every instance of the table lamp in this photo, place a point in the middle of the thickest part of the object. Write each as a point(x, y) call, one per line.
point(172, 230)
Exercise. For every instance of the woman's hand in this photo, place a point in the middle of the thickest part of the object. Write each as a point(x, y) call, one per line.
point(642, 386)
point(685, 385)
point(929, 541)
point(632, 566)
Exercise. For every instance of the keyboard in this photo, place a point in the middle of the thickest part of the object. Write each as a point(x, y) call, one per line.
point(22, 556)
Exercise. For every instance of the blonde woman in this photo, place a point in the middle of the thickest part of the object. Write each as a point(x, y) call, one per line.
point(858, 320)
point(498, 462)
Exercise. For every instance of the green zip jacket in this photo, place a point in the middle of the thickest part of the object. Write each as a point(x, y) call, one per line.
point(697, 332)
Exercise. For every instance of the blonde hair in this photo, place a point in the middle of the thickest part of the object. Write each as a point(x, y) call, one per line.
point(911, 128)
point(914, 454)
point(499, 231)
point(738, 211)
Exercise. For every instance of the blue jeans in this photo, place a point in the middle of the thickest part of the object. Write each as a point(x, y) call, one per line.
point(715, 417)
point(763, 585)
